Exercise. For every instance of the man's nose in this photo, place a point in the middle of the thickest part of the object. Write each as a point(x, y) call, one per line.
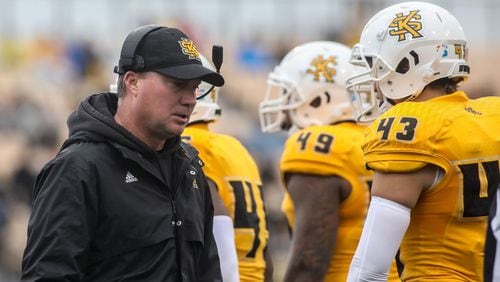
point(189, 97)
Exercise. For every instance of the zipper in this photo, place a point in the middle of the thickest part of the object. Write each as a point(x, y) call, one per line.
point(171, 197)
point(186, 163)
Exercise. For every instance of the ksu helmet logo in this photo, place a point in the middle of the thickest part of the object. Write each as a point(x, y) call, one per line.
point(189, 49)
point(323, 67)
point(403, 25)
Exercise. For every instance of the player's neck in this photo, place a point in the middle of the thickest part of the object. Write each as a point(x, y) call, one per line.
point(428, 94)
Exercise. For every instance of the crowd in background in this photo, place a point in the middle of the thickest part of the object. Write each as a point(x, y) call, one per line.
point(43, 78)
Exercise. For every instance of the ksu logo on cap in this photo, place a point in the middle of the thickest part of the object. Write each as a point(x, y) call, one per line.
point(189, 49)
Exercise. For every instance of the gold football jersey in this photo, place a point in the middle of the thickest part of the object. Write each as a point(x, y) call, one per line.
point(229, 165)
point(445, 239)
point(333, 150)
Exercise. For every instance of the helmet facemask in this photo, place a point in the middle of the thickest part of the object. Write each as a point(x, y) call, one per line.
point(363, 88)
point(281, 96)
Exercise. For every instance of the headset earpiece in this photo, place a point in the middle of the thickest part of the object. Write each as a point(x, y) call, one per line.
point(217, 55)
point(128, 59)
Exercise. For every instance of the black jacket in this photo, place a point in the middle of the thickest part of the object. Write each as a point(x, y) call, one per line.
point(109, 208)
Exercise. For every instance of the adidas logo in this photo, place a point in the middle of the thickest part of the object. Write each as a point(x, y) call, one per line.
point(130, 178)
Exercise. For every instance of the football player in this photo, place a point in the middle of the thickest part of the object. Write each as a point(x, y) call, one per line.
point(237, 194)
point(435, 152)
point(322, 168)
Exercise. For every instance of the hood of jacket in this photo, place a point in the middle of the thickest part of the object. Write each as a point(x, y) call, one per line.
point(93, 121)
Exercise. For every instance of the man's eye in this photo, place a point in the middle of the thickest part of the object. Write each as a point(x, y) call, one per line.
point(179, 84)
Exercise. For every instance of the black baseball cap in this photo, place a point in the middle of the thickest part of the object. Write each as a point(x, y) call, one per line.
point(167, 51)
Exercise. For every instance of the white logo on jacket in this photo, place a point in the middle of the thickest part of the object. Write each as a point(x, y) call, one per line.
point(130, 178)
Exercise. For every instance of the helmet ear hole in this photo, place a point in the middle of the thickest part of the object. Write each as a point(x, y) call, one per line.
point(403, 66)
point(369, 61)
point(316, 102)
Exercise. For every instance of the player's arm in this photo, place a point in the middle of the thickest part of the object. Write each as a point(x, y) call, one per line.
point(224, 237)
point(491, 268)
point(393, 197)
point(219, 207)
point(268, 274)
point(316, 202)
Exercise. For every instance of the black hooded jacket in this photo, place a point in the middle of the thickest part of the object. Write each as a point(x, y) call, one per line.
point(108, 208)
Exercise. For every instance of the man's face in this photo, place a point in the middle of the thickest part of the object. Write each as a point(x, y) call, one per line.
point(164, 104)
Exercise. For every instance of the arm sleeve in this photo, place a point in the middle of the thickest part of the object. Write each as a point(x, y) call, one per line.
point(59, 230)
point(385, 226)
point(224, 237)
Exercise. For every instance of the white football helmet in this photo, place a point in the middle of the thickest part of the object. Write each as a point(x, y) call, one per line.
point(206, 108)
point(308, 88)
point(403, 48)
point(113, 87)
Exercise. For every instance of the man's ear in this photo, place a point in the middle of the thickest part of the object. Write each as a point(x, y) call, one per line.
point(130, 80)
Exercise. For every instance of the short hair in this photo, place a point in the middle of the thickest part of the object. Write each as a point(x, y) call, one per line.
point(446, 84)
point(120, 86)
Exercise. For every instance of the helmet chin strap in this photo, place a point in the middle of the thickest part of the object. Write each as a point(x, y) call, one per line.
point(388, 103)
point(385, 105)
point(293, 129)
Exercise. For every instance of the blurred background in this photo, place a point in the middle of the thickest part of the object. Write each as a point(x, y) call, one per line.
point(53, 53)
